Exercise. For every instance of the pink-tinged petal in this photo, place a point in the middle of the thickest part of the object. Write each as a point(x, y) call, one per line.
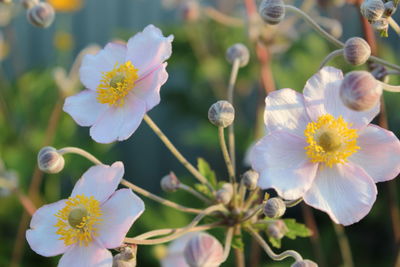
point(148, 49)
point(99, 181)
point(105, 60)
point(84, 107)
point(119, 123)
point(379, 153)
point(148, 87)
point(285, 110)
point(42, 236)
point(321, 94)
point(281, 161)
point(120, 211)
point(93, 255)
point(345, 191)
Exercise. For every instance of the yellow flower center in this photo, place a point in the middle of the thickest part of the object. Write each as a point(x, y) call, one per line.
point(116, 84)
point(78, 220)
point(330, 140)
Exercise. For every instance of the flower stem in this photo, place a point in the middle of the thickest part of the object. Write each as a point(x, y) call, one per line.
point(194, 193)
point(292, 203)
point(228, 243)
point(225, 153)
point(81, 152)
point(276, 257)
point(394, 25)
point(161, 200)
point(331, 55)
point(344, 245)
point(176, 153)
point(239, 252)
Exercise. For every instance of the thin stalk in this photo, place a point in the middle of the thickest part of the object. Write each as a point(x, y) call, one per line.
point(344, 245)
point(239, 253)
point(222, 18)
point(254, 212)
point(228, 243)
point(225, 154)
point(81, 152)
point(161, 200)
point(179, 233)
point(176, 153)
point(194, 193)
point(26, 202)
point(231, 134)
point(331, 55)
point(390, 88)
point(292, 203)
point(276, 257)
point(394, 25)
point(250, 199)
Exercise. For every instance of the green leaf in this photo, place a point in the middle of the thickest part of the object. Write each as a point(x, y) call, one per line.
point(275, 242)
point(296, 229)
point(203, 189)
point(237, 242)
point(206, 171)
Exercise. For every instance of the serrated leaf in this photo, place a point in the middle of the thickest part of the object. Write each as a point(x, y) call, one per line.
point(203, 189)
point(296, 229)
point(275, 242)
point(237, 242)
point(206, 171)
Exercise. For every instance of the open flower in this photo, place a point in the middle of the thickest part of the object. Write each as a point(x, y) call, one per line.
point(123, 83)
point(93, 219)
point(318, 149)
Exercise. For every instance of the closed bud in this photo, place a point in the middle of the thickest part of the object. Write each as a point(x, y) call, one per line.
point(390, 8)
point(8, 181)
point(372, 10)
point(224, 195)
point(190, 11)
point(27, 4)
point(274, 208)
point(381, 26)
point(238, 52)
point(356, 51)
point(221, 114)
point(170, 183)
point(126, 257)
point(250, 179)
point(360, 90)
point(277, 229)
point(304, 263)
point(203, 250)
point(272, 11)
point(49, 160)
point(41, 15)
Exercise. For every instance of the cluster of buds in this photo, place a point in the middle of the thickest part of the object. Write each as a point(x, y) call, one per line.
point(39, 14)
point(377, 13)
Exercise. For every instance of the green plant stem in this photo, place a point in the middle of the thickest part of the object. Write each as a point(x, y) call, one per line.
point(390, 88)
point(194, 193)
point(239, 252)
point(250, 199)
point(344, 245)
point(394, 25)
point(276, 257)
point(81, 152)
point(331, 55)
point(292, 203)
point(161, 200)
point(228, 243)
point(225, 153)
point(176, 153)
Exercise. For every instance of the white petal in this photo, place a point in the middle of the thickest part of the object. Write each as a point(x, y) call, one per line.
point(105, 60)
point(84, 107)
point(379, 153)
point(282, 163)
point(321, 94)
point(345, 191)
point(99, 181)
point(120, 211)
point(148, 49)
point(285, 110)
point(148, 88)
point(42, 236)
point(94, 255)
point(119, 123)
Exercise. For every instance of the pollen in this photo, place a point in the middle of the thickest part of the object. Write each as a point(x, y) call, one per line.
point(330, 140)
point(116, 84)
point(78, 220)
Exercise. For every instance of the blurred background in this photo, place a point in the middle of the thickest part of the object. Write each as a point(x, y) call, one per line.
point(36, 76)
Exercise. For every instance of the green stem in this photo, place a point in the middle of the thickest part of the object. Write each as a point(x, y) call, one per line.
point(194, 193)
point(344, 245)
point(81, 152)
point(331, 55)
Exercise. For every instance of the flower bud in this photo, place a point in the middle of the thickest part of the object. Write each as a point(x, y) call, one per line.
point(272, 11)
point(190, 11)
point(250, 179)
point(390, 8)
point(221, 114)
point(41, 15)
point(304, 263)
point(238, 52)
point(49, 160)
point(360, 90)
point(126, 257)
point(170, 183)
point(356, 51)
point(8, 181)
point(203, 250)
point(277, 229)
point(27, 4)
point(372, 9)
point(381, 26)
point(224, 195)
point(274, 208)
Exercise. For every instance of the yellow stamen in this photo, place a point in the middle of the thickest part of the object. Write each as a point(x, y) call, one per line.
point(116, 84)
point(78, 220)
point(330, 140)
